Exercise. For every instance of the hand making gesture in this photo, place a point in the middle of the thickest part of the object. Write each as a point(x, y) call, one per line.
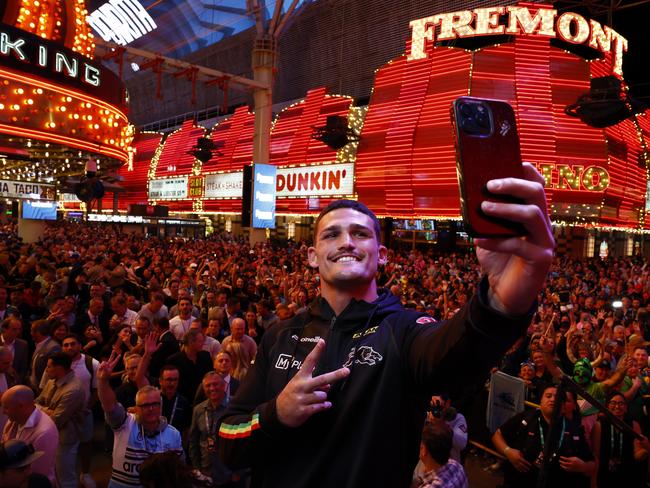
point(305, 394)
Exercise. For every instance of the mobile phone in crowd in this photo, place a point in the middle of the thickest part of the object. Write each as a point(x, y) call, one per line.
point(487, 148)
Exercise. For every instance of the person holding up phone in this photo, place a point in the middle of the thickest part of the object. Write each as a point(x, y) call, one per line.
point(337, 394)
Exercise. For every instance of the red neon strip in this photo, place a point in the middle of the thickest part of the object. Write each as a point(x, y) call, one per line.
point(48, 136)
point(61, 89)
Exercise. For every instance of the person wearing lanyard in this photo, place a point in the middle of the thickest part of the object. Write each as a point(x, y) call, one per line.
point(522, 438)
point(619, 455)
point(204, 433)
point(175, 407)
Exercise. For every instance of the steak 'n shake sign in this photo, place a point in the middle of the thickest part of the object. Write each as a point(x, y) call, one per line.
point(516, 20)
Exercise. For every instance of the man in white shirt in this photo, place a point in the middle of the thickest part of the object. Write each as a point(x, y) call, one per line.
point(28, 424)
point(123, 314)
point(155, 309)
point(223, 366)
point(180, 324)
point(7, 377)
point(237, 335)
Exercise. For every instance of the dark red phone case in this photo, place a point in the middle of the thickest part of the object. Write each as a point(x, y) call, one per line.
point(480, 158)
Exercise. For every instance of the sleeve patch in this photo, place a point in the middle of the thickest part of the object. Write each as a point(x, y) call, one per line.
point(425, 320)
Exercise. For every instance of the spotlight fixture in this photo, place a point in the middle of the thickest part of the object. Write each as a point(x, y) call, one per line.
point(205, 148)
point(605, 104)
point(336, 133)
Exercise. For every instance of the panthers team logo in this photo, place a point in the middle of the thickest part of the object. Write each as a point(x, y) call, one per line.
point(362, 355)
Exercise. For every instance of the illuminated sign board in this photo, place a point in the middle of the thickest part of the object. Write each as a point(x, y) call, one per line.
point(195, 187)
point(263, 208)
point(576, 177)
point(223, 185)
point(320, 180)
point(121, 21)
point(22, 189)
point(47, 55)
point(168, 188)
point(519, 20)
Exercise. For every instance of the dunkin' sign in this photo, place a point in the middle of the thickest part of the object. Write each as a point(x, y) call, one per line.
point(316, 181)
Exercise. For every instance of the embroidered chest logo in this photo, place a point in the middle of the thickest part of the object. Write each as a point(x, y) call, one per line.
point(362, 355)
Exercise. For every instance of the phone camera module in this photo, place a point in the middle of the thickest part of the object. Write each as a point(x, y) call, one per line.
point(475, 119)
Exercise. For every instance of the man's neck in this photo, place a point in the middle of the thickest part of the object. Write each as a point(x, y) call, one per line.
point(76, 358)
point(151, 426)
point(187, 317)
point(24, 420)
point(191, 354)
point(339, 299)
point(430, 465)
point(214, 404)
point(169, 394)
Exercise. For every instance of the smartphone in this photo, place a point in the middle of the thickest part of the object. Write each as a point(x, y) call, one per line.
point(487, 148)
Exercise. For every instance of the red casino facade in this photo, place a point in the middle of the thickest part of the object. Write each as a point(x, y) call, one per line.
point(404, 165)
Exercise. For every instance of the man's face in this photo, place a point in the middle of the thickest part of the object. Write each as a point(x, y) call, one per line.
point(215, 388)
point(13, 331)
point(548, 401)
point(223, 364)
point(197, 343)
point(213, 328)
point(641, 358)
point(173, 288)
point(222, 298)
point(184, 308)
point(601, 373)
point(148, 407)
point(346, 251)
point(131, 367)
point(211, 299)
point(54, 371)
point(237, 329)
point(71, 347)
point(96, 291)
point(96, 307)
point(118, 308)
point(169, 382)
point(141, 328)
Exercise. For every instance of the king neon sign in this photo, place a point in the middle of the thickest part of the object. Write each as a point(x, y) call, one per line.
point(516, 20)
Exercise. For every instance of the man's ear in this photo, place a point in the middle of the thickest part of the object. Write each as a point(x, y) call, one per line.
point(312, 259)
point(382, 255)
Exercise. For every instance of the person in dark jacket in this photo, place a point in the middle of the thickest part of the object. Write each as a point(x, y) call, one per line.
point(349, 412)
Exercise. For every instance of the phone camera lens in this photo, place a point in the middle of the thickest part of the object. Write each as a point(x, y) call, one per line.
point(466, 110)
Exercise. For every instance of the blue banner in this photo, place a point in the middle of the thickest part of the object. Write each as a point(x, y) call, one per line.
point(263, 209)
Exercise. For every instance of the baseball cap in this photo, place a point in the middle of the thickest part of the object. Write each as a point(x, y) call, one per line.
point(194, 265)
point(16, 454)
point(604, 364)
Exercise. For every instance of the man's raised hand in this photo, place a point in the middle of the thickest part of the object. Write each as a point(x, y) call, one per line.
point(306, 394)
point(517, 266)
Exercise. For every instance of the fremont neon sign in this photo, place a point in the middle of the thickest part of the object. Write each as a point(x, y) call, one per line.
point(519, 20)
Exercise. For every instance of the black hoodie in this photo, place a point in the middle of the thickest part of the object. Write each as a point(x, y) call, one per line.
point(370, 436)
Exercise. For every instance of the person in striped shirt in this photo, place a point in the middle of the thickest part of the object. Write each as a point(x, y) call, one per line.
point(137, 435)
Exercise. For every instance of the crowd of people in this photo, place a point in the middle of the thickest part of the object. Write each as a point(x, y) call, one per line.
point(161, 332)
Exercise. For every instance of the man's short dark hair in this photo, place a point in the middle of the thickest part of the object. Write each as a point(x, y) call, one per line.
point(42, 326)
point(168, 367)
point(232, 302)
point(6, 323)
point(354, 205)
point(71, 336)
point(437, 439)
point(61, 359)
point(161, 323)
